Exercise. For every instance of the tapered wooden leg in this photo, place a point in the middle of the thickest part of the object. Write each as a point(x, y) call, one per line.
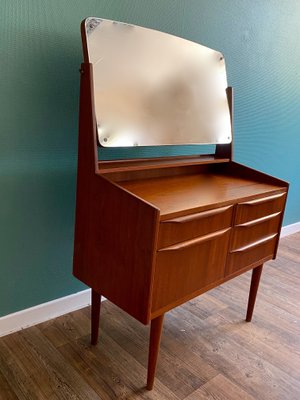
point(155, 335)
point(256, 273)
point(95, 316)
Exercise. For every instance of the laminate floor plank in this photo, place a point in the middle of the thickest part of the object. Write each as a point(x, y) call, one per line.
point(48, 371)
point(220, 388)
point(268, 306)
point(111, 368)
point(6, 392)
point(238, 363)
point(68, 327)
point(256, 341)
point(179, 375)
point(18, 376)
point(208, 351)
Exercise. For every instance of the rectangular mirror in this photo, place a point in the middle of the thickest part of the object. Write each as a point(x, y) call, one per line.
point(153, 89)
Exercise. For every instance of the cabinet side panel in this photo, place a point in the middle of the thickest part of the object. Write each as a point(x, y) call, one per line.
point(86, 165)
point(117, 257)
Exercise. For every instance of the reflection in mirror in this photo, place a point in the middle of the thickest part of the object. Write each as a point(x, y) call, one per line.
point(152, 88)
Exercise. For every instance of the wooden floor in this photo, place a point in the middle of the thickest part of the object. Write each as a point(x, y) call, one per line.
point(207, 350)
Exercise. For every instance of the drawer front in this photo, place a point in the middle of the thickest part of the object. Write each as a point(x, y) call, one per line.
point(184, 268)
point(249, 232)
point(190, 226)
point(251, 253)
point(254, 209)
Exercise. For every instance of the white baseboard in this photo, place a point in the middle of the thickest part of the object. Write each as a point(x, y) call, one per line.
point(52, 309)
point(43, 312)
point(290, 229)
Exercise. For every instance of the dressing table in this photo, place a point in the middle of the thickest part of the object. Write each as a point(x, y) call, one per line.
point(152, 233)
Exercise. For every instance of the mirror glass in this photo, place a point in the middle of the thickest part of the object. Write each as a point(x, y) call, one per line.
point(152, 88)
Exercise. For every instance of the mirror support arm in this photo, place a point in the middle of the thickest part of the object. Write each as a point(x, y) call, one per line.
point(226, 150)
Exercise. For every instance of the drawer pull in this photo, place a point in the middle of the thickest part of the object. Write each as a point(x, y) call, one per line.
point(194, 242)
point(254, 244)
point(258, 221)
point(200, 215)
point(263, 200)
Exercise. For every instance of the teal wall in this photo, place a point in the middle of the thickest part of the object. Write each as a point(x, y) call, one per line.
point(40, 51)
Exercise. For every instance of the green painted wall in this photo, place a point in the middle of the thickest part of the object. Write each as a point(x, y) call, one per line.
point(40, 51)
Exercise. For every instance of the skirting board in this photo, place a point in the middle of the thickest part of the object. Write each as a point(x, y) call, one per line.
point(52, 309)
point(43, 312)
point(290, 229)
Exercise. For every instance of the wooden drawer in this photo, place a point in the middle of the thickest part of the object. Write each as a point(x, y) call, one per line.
point(184, 268)
point(245, 256)
point(251, 231)
point(254, 209)
point(190, 226)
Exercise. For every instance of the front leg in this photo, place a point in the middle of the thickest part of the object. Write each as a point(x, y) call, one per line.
point(155, 336)
point(256, 273)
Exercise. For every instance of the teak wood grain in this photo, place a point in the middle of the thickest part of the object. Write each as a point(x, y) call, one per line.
point(182, 194)
point(153, 234)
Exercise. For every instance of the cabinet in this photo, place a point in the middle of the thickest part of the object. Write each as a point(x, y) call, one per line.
point(154, 233)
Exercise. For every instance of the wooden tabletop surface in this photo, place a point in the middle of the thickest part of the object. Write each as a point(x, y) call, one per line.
point(179, 195)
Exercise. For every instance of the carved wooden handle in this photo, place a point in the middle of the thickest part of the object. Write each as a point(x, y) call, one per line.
point(194, 242)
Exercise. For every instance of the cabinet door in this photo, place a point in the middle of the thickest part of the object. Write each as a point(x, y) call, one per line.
point(183, 270)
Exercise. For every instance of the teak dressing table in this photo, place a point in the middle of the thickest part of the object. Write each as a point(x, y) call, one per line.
point(154, 233)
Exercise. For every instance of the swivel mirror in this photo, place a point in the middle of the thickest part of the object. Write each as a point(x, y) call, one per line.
point(152, 88)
